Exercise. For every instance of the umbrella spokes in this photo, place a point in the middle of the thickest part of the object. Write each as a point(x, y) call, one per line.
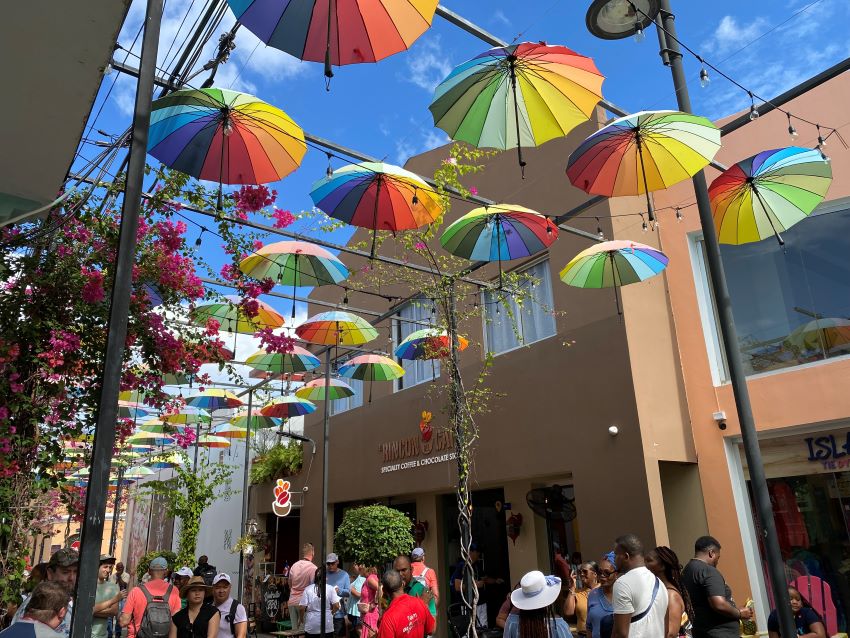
point(522, 163)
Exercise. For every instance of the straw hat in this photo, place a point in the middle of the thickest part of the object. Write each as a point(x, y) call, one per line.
point(536, 591)
point(196, 582)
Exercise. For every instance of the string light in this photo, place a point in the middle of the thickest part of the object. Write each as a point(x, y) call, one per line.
point(821, 138)
point(345, 297)
point(548, 226)
point(791, 130)
point(639, 34)
point(679, 217)
point(754, 112)
point(643, 225)
point(415, 199)
point(198, 240)
point(329, 171)
point(703, 77)
point(599, 232)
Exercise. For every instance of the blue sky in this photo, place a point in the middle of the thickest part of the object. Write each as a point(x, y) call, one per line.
point(382, 109)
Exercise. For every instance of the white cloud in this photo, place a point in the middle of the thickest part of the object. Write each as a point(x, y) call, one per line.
point(500, 17)
point(419, 140)
point(730, 34)
point(427, 64)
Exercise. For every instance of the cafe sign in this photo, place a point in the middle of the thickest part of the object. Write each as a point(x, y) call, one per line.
point(428, 448)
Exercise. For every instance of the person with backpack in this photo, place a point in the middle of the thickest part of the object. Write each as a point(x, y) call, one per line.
point(234, 618)
point(205, 570)
point(149, 607)
point(197, 619)
point(426, 576)
point(413, 587)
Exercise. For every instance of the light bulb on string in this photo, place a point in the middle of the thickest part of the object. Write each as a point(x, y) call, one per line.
point(679, 217)
point(754, 112)
point(599, 232)
point(643, 225)
point(639, 34)
point(821, 138)
point(198, 240)
point(824, 156)
point(329, 171)
point(226, 122)
point(704, 79)
point(107, 70)
point(791, 130)
point(548, 226)
point(415, 199)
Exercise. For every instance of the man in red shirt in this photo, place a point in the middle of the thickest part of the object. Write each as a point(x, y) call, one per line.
point(407, 616)
point(136, 603)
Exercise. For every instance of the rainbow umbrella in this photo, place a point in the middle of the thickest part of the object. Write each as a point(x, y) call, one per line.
point(371, 367)
point(499, 232)
point(518, 95)
point(377, 196)
point(287, 407)
point(336, 328)
point(230, 313)
point(214, 399)
point(336, 33)
point(188, 414)
point(257, 421)
point(131, 412)
point(229, 431)
point(315, 390)
point(428, 343)
point(299, 360)
point(768, 193)
point(611, 264)
point(269, 376)
point(156, 426)
point(225, 137)
point(132, 397)
point(295, 263)
point(164, 461)
point(824, 334)
point(138, 471)
point(643, 152)
point(149, 438)
point(212, 441)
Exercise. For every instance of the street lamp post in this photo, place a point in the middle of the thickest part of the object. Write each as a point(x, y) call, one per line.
point(638, 16)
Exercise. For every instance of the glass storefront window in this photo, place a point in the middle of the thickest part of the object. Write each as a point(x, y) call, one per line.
point(792, 303)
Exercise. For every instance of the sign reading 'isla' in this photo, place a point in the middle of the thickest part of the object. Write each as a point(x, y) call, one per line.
point(829, 447)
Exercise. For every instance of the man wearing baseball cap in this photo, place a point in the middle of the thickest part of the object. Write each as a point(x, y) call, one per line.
point(426, 576)
point(62, 569)
point(233, 617)
point(180, 578)
point(341, 582)
point(156, 587)
point(106, 599)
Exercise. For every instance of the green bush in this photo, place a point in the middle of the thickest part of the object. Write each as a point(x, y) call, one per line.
point(145, 562)
point(373, 535)
point(279, 461)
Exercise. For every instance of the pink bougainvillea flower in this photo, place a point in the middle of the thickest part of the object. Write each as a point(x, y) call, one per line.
point(473, 190)
point(283, 218)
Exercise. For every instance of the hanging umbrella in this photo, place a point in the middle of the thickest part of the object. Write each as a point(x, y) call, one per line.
point(149, 438)
point(377, 196)
point(428, 343)
point(336, 328)
point(353, 33)
point(768, 193)
point(610, 264)
point(164, 461)
point(269, 376)
point(229, 431)
point(315, 390)
point(257, 421)
point(230, 313)
point(131, 412)
point(188, 415)
point(499, 233)
point(824, 334)
point(643, 152)
point(132, 397)
point(156, 426)
point(288, 407)
point(518, 95)
point(138, 471)
point(299, 360)
point(371, 367)
point(225, 137)
point(214, 399)
point(295, 263)
point(212, 441)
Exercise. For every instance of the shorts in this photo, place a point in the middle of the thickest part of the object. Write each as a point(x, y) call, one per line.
point(354, 620)
point(339, 626)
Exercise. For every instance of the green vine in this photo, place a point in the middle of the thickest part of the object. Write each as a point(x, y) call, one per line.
point(279, 461)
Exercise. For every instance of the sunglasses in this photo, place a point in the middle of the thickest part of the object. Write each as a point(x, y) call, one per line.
point(606, 574)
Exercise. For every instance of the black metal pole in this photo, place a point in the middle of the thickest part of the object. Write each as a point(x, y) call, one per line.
point(116, 511)
point(325, 437)
point(107, 412)
point(245, 477)
point(717, 278)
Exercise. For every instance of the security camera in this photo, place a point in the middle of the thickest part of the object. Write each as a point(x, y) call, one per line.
point(613, 430)
point(720, 418)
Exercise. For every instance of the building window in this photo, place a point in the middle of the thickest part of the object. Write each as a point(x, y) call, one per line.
point(791, 306)
point(349, 403)
point(412, 316)
point(508, 325)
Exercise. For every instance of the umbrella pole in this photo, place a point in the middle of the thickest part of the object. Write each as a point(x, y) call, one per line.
point(375, 219)
point(328, 70)
point(767, 214)
point(245, 492)
point(614, 277)
point(512, 60)
point(649, 209)
point(499, 247)
point(324, 512)
point(294, 283)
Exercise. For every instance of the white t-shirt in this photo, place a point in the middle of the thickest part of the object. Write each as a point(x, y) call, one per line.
point(633, 596)
point(224, 624)
point(312, 620)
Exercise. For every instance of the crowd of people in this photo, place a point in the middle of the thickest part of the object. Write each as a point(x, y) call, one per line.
point(632, 592)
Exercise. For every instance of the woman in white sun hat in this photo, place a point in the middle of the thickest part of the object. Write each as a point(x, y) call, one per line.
point(534, 600)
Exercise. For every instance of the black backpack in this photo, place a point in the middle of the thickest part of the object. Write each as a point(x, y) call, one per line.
point(231, 616)
point(207, 572)
point(156, 621)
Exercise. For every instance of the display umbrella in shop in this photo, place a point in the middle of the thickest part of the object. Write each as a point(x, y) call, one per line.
point(767, 193)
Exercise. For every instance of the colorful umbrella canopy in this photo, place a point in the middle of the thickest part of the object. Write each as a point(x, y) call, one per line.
point(224, 136)
point(138, 471)
point(158, 427)
point(164, 461)
point(212, 441)
point(428, 343)
point(214, 399)
point(336, 328)
point(149, 438)
point(643, 152)
point(229, 431)
point(286, 376)
point(230, 313)
point(257, 421)
point(295, 263)
point(611, 264)
point(287, 407)
point(134, 397)
point(299, 360)
point(377, 196)
point(371, 367)
point(355, 32)
point(820, 334)
point(518, 95)
point(131, 412)
point(315, 390)
point(768, 193)
point(188, 414)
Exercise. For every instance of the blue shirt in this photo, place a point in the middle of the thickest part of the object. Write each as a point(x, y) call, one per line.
point(557, 629)
point(804, 619)
point(30, 629)
point(598, 609)
point(342, 582)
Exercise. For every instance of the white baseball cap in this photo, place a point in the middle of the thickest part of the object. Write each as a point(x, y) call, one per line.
point(184, 571)
point(221, 577)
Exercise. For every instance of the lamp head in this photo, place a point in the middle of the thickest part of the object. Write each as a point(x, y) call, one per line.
point(618, 19)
